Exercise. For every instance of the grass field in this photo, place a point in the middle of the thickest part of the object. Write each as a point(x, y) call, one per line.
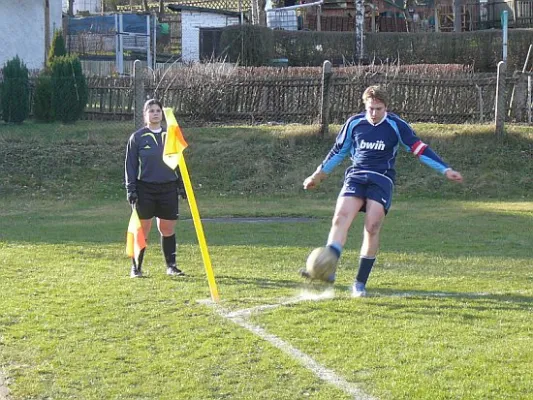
point(448, 316)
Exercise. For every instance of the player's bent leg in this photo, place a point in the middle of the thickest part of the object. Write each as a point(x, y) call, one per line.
point(345, 212)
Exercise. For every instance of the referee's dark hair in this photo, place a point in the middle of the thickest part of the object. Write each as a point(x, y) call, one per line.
point(151, 102)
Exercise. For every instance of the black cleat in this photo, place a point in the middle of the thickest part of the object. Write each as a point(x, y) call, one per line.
point(172, 270)
point(304, 274)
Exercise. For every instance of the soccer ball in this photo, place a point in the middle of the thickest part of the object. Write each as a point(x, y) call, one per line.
point(321, 263)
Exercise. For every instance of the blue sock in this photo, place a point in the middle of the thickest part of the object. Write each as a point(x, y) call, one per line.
point(365, 266)
point(336, 247)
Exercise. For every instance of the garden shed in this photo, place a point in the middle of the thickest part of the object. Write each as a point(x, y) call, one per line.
point(201, 29)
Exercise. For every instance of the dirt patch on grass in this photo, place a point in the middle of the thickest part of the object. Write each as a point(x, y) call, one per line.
point(4, 391)
point(255, 220)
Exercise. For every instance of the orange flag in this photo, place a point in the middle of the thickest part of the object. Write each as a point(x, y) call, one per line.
point(175, 142)
point(135, 240)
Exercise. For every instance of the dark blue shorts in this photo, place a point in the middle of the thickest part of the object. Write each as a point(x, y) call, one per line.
point(368, 185)
point(157, 200)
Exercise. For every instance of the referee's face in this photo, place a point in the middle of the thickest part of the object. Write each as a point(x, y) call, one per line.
point(154, 115)
point(375, 110)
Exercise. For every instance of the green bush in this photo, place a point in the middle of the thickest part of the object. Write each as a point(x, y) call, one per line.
point(15, 91)
point(481, 50)
point(69, 89)
point(58, 48)
point(248, 45)
point(42, 103)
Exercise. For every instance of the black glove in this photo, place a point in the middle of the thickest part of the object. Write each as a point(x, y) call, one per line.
point(132, 198)
point(182, 193)
point(181, 189)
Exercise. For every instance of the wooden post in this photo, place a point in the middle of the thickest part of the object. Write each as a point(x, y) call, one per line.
point(529, 99)
point(138, 94)
point(499, 113)
point(327, 74)
point(480, 95)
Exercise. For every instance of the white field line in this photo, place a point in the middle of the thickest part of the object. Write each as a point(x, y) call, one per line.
point(240, 318)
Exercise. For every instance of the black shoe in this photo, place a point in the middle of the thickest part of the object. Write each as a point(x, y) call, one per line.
point(304, 274)
point(136, 272)
point(173, 271)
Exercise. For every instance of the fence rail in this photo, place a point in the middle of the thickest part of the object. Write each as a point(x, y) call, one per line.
point(297, 100)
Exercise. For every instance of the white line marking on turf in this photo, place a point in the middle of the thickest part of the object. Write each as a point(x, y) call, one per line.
point(326, 374)
point(305, 295)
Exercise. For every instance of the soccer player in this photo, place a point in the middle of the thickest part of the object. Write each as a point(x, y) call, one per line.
point(371, 139)
point(153, 187)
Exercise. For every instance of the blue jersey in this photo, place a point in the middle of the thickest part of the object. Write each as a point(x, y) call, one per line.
point(144, 159)
point(374, 148)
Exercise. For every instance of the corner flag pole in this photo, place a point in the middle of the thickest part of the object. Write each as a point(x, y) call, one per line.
point(173, 157)
point(199, 230)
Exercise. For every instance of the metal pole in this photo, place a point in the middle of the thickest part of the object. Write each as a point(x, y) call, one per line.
point(148, 46)
point(117, 44)
point(120, 45)
point(529, 99)
point(505, 23)
point(359, 26)
point(155, 42)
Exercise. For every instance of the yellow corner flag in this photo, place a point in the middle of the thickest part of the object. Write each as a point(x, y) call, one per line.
point(135, 240)
point(175, 142)
point(172, 156)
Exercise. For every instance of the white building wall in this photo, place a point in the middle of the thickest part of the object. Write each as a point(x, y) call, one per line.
point(22, 32)
point(92, 6)
point(191, 22)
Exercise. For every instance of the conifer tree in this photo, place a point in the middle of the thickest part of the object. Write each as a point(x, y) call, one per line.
point(15, 91)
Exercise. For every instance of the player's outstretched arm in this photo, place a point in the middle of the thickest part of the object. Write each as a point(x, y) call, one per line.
point(311, 182)
point(453, 175)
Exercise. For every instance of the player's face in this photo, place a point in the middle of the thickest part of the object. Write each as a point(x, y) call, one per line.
point(153, 115)
point(375, 110)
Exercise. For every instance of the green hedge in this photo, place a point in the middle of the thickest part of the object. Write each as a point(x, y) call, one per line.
point(480, 49)
point(247, 45)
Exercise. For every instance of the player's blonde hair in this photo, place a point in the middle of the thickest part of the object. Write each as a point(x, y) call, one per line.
point(376, 92)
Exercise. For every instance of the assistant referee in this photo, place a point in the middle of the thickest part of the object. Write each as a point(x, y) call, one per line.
point(152, 186)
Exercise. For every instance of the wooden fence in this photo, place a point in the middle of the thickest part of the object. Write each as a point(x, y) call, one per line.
point(297, 99)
